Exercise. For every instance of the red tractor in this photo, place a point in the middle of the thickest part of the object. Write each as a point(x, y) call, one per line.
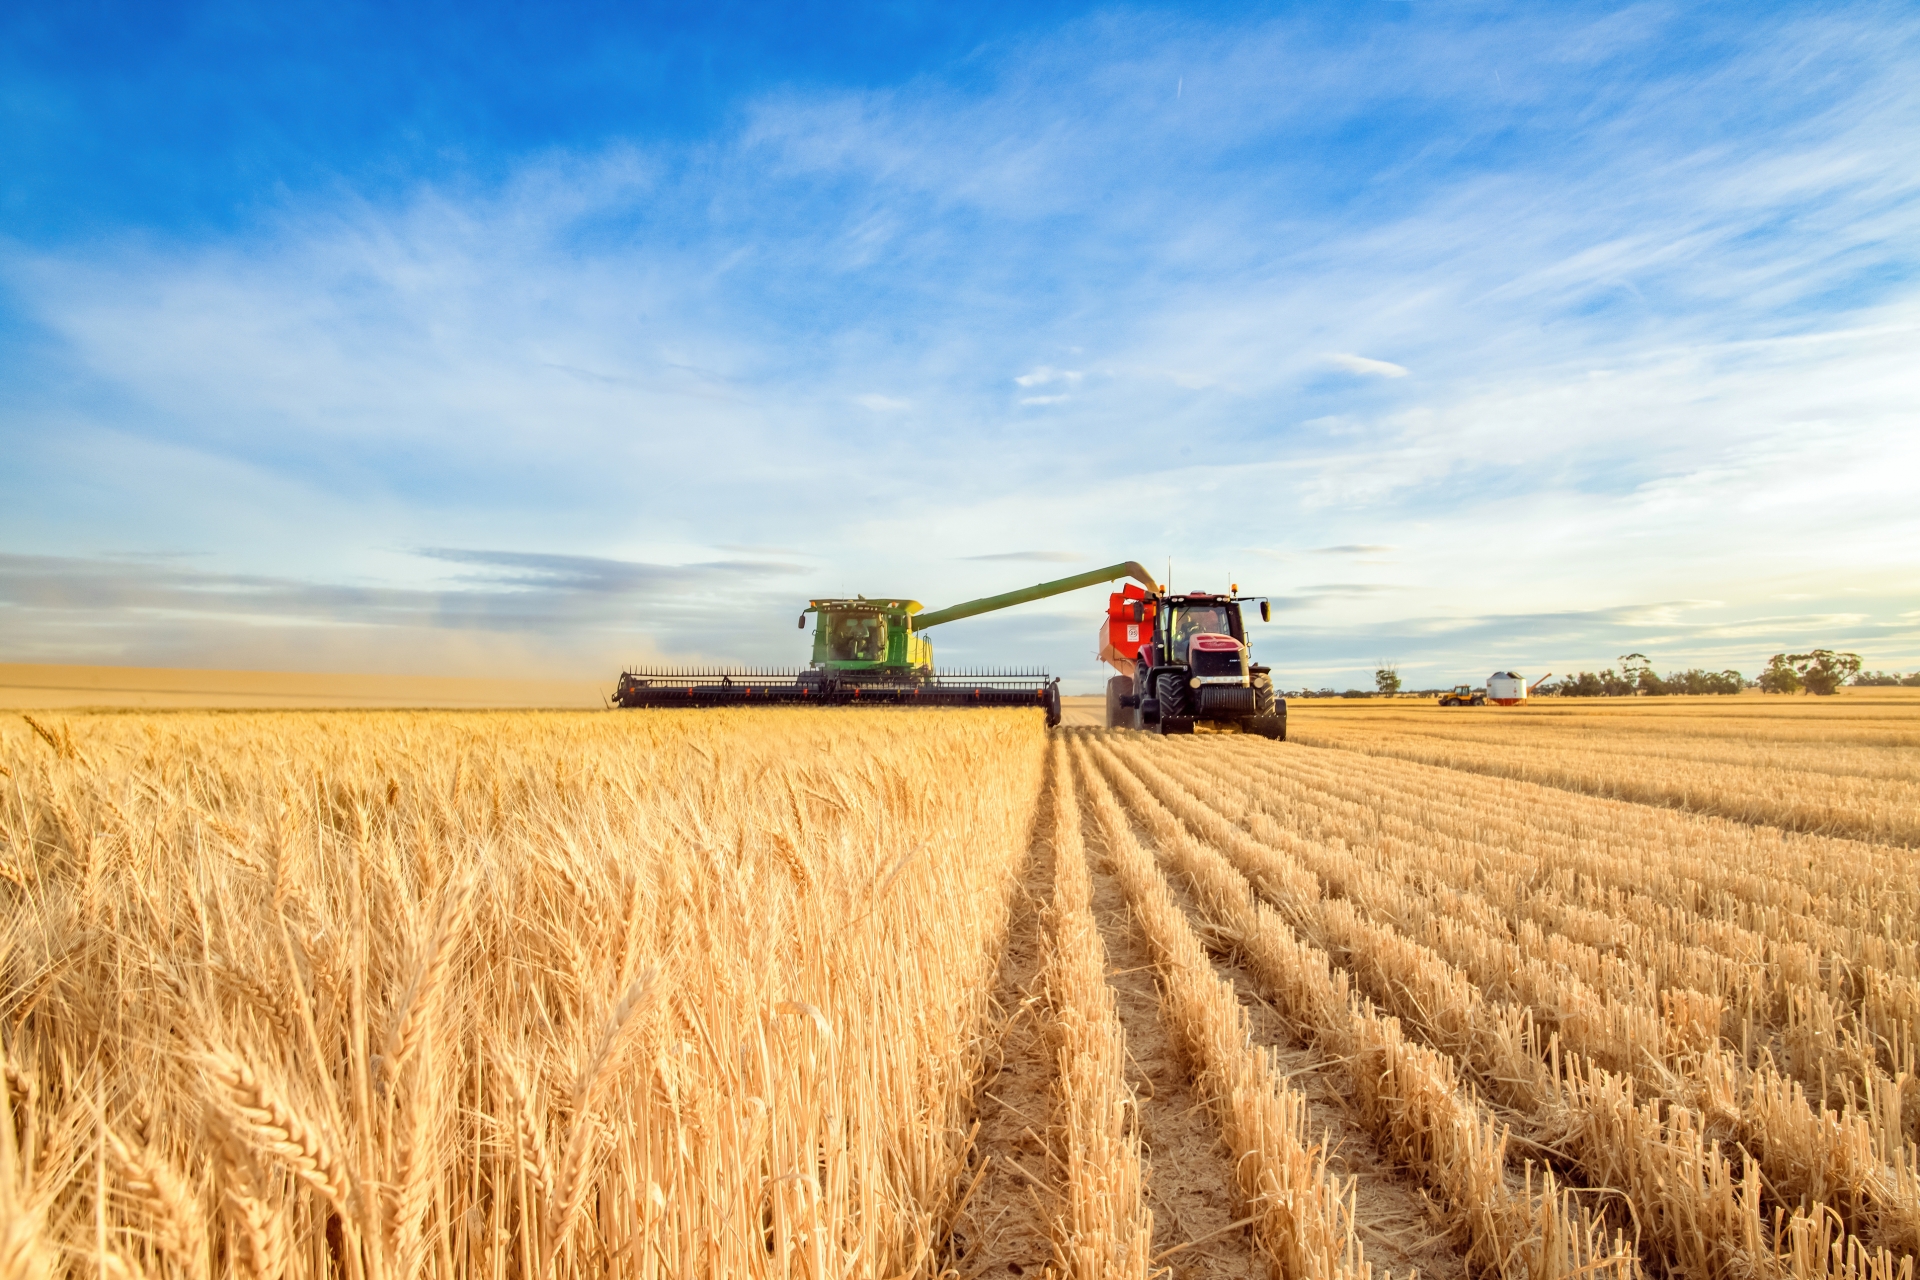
point(1184, 661)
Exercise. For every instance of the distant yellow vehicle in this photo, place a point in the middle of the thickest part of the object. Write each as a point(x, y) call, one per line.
point(1464, 695)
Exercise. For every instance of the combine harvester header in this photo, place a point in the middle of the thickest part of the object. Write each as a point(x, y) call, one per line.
point(874, 652)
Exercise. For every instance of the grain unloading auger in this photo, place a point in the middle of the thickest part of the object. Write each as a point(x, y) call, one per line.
point(874, 653)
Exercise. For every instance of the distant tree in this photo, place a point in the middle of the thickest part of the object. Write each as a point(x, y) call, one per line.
point(1823, 671)
point(1584, 685)
point(1618, 686)
point(1637, 671)
point(1912, 681)
point(1780, 676)
point(1386, 679)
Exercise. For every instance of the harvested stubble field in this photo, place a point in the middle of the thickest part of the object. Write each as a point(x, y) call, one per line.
point(884, 994)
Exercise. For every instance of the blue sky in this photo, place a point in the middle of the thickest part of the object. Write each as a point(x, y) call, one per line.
point(537, 341)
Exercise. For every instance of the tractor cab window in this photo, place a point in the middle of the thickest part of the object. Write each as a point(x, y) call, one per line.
point(1192, 620)
point(857, 637)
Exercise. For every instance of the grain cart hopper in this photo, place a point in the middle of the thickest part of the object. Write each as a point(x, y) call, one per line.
point(1510, 688)
point(1184, 661)
point(873, 652)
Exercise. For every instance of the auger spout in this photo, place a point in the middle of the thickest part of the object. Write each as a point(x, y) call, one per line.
point(987, 604)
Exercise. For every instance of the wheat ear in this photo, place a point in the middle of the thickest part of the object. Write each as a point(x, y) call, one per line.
point(533, 1141)
point(410, 1029)
point(413, 1192)
point(268, 1124)
point(151, 1180)
point(260, 1228)
point(572, 1192)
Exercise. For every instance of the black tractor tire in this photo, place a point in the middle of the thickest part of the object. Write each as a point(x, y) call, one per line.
point(1119, 714)
point(1053, 705)
point(1176, 710)
point(1262, 696)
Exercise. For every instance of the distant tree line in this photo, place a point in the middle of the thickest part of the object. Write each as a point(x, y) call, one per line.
point(1636, 677)
point(1818, 671)
point(1887, 679)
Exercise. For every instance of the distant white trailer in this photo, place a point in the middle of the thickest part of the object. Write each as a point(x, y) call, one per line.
point(1510, 688)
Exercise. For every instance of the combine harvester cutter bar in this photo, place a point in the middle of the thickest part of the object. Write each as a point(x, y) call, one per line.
point(671, 688)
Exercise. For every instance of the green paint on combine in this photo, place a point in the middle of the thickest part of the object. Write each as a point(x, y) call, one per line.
point(874, 651)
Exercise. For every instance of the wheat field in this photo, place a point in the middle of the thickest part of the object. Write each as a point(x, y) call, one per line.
point(1580, 991)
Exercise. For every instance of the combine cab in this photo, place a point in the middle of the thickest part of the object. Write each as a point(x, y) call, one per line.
point(872, 652)
point(1184, 663)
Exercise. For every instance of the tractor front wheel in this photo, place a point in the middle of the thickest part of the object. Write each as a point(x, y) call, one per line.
point(1171, 689)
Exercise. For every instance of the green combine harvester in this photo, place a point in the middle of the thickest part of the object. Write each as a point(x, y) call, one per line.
point(873, 653)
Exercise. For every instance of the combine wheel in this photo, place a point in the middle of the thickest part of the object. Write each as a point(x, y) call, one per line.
point(1120, 714)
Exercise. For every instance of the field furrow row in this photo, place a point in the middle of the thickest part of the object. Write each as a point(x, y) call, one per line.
point(1411, 1097)
point(1809, 1158)
point(1767, 995)
point(1876, 799)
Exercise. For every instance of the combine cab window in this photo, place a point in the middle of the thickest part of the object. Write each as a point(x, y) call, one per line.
point(855, 637)
point(1198, 619)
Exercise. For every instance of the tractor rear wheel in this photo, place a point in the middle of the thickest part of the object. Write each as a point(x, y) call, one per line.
point(1171, 688)
point(1119, 714)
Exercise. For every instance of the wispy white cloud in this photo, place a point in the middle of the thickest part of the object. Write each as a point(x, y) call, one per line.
point(1042, 557)
point(882, 404)
point(1363, 365)
point(1045, 375)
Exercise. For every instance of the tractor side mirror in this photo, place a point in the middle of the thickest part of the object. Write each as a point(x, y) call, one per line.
point(803, 622)
point(1266, 611)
